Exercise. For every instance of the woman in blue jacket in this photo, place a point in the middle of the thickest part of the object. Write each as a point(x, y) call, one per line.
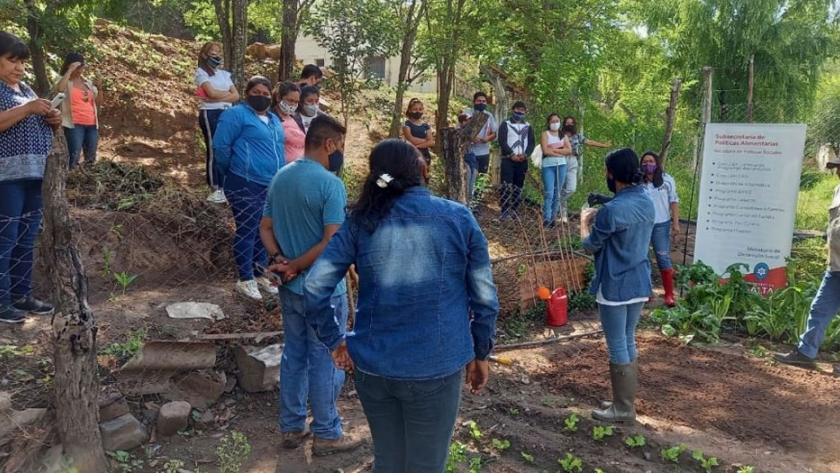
point(619, 238)
point(248, 148)
point(414, 335)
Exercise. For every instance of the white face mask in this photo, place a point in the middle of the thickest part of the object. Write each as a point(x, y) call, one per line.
point(554, 126)
point(286, 108)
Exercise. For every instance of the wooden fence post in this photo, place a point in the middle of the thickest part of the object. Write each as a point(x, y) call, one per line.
point(76, 379)
point(455, 143)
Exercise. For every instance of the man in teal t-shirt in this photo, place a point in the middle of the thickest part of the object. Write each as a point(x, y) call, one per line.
point(305, 206)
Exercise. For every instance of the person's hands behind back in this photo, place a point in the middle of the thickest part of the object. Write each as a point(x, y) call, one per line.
point(341, 358)
point(478, 373)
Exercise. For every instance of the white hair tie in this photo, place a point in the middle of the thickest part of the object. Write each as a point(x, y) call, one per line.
point(383, 180)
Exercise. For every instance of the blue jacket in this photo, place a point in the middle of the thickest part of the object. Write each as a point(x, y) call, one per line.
point(421, 272)
point(245, 146)
point(620, 239)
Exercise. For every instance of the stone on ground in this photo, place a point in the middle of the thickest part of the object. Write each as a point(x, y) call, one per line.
point(173, 416)
point(259, 367)
point(123, 433)
point(111, 406)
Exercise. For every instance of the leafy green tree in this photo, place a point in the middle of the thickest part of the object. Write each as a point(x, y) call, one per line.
point(789, 40)
point(353, 32)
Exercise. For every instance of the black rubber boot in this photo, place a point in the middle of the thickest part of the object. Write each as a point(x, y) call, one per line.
point(623, 407)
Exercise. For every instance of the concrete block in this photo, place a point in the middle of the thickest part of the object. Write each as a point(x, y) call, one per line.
point(173, 416)
point(259, 367)
point(123, 433)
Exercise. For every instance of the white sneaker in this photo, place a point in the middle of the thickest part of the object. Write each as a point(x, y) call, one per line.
point(249, 289)
point(564, 216)
point(217, 197)
point(266, 286)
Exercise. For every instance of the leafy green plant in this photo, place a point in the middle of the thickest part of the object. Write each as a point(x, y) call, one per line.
point(7, 352)
point(124, 461)
point(475, 464)
point(513, 411)
point(528, 457)
point(232, 451)
point(571, 422)
point(127, 349)
point(172, 466)
point(457, 453)
point(124, 280)
point(570, 463)
point(672, 454)
point(746, 469)
point(706, 463)
point(580, 301)
point(475, 432)
point(501, 445)
point(637, 441)
point(599, 432)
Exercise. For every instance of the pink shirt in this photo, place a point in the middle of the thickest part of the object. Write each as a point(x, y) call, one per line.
point(295, 139)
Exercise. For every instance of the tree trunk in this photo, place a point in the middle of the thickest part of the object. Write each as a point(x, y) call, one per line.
point(446, 69)
point(669, 122)
point(455, 144)
point(37, 55)
point(286, 67)
point(239, 40)
point(411, 22)
point(74, 326)
point(222, 8)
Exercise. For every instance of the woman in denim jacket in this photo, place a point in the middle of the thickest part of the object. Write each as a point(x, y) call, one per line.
point(424, 267)
point(619, 238)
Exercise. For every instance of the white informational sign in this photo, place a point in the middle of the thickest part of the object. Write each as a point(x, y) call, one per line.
point(748, 193)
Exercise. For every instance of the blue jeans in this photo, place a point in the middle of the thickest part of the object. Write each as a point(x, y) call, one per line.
point(247, 201)
point(20, 219)
point(411, 422)
point(553, 177)
point(472, 169)
point(660, 239)
point(307, 370)
point(824, 308)
point(619, 324)
point(81, 137)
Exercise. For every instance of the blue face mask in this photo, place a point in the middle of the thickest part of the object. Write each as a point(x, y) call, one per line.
point(480, 107)
point(518, 116)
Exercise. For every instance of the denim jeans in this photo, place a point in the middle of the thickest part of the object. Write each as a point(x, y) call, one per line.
point(307, 370)
point(553, 178)
point(471, 177)
point(513, 180)
point(247, 201)
point(207, 121)
point(82, 137)
point(660, 239)
point(824, 308)
point(20, 219)
point(619, 324)
point(411, 422)
point(570, 185)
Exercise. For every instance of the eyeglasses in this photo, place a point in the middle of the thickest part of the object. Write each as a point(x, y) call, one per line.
point(85, 96)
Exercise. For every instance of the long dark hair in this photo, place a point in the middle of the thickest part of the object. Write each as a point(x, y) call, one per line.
point(13, 47)
point(657, 175)
point(623, 164)
point(392, 159)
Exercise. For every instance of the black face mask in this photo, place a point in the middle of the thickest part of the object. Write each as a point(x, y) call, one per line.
point(569, 129)
point(260, 103)
point(415, 115)
point(214, 61)
point(611, 184)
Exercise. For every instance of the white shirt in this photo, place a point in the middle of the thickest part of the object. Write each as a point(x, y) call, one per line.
point(663, 197)
point(220, 81)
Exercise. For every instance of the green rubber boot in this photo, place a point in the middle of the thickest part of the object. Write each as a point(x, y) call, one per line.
point(623, 407)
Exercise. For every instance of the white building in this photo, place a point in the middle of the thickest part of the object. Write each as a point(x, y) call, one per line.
point(308, 51)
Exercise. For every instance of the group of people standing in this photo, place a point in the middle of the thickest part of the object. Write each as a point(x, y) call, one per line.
point(247, 142)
